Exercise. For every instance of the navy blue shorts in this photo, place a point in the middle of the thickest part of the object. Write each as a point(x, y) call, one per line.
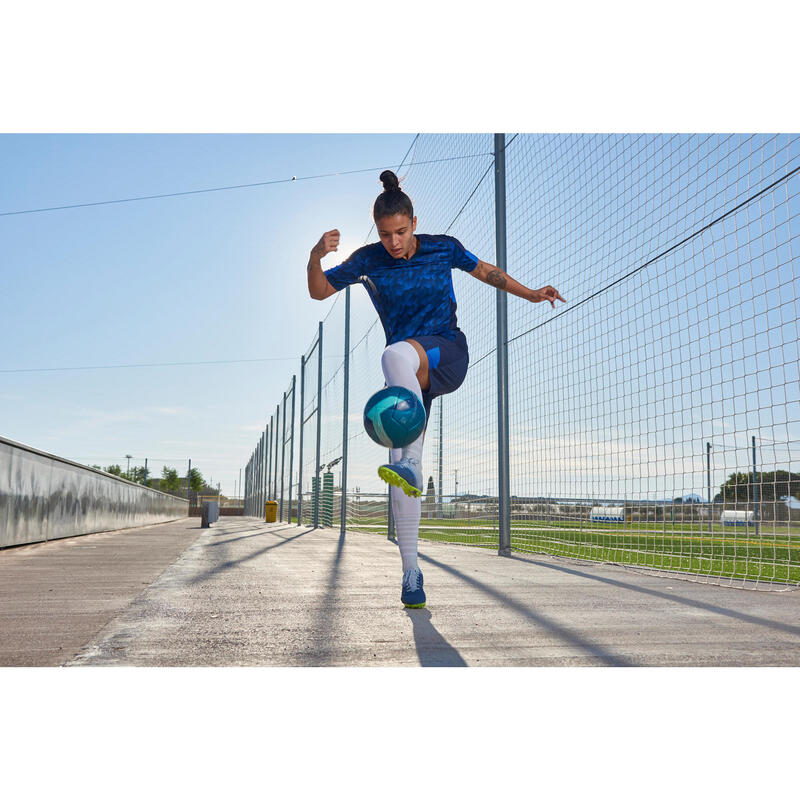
point(447, 365)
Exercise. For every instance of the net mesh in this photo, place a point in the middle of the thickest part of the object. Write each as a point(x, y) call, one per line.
point(654, 419)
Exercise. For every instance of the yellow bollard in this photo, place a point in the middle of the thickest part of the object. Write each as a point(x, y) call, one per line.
point(270, 511)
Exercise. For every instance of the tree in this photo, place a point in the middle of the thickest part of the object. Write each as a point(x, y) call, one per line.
point(115, 469)
point(195, 480)
point(169, 480)
point(771, 486)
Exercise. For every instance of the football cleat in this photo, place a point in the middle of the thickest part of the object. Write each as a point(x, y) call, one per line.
point(405, 474)
point(412, 595)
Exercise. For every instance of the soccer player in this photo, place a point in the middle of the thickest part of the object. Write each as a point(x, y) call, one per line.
point(408, 278)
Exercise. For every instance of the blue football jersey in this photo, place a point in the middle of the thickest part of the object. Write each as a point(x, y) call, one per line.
point(413, 297)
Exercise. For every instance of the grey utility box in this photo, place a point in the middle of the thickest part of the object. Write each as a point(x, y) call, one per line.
point(210, 512)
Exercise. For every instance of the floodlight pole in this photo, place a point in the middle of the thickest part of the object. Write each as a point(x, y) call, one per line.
point(503, 488)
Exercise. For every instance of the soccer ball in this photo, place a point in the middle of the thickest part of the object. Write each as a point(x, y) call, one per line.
point(394, 417)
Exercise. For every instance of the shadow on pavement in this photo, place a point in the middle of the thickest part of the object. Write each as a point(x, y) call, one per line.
point(574, 639)
point(229, 564)
point(727, 612)
point(319, 654)
point(228, 532)
point(432, 648)
point(238, 538)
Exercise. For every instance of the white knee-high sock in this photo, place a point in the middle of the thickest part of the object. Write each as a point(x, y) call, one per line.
point(400, 363)
point(407, 512)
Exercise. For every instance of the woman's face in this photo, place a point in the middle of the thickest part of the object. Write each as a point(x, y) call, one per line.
point(397, 235)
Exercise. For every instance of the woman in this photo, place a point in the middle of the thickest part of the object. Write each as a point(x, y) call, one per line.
point(409, 281)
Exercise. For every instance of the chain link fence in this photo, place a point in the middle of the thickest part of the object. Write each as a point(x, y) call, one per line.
point(652, 421)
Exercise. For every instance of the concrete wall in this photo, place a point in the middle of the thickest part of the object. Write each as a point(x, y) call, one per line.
point(45, 497)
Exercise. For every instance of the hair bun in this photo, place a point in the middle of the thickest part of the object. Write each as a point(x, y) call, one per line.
point(389, 181)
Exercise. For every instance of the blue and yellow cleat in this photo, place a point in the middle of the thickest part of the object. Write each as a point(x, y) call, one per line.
point(412, 595)
point(405, 474)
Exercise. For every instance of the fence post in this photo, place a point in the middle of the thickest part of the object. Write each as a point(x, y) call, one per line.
point(270, 466)
point(283, 451)
point(503, 487)
point(264, 487)
point(346, 408)
point(291, 454)
point(319, 427)
point(256, 474)
point(271, 470)
point(755, 490)
point(300, 453)
point(390, 531)
point(275, 467)
point(708, 475)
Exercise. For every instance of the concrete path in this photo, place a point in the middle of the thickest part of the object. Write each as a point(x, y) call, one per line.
point(248, 593)
point(55, 596)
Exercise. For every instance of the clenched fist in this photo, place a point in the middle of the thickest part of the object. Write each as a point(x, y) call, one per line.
point(327, 244)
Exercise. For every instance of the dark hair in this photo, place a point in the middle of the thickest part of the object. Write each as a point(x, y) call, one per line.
point(393, 200)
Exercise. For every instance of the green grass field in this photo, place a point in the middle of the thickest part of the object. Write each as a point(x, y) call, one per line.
point(723, 552)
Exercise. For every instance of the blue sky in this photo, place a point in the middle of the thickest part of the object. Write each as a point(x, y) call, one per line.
point(221, 276)
point(203, 277)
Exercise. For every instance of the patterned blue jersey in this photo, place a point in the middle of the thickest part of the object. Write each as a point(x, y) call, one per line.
point(413, 297)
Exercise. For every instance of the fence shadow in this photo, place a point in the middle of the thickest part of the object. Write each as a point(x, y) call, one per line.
point(608, 658)
point(230, 564)
point(687, 601)
point(319, 654)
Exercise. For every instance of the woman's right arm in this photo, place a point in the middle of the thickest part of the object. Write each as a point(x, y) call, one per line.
point(318, 286)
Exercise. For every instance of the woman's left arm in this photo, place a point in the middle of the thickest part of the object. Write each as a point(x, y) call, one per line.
point(494, 276)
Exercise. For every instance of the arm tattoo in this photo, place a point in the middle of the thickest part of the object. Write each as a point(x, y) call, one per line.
point(496, 278)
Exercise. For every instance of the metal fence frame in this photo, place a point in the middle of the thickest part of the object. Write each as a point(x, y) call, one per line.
point(261, 471)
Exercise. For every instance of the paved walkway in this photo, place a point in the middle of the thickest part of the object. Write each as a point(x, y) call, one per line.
point(248, 593)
